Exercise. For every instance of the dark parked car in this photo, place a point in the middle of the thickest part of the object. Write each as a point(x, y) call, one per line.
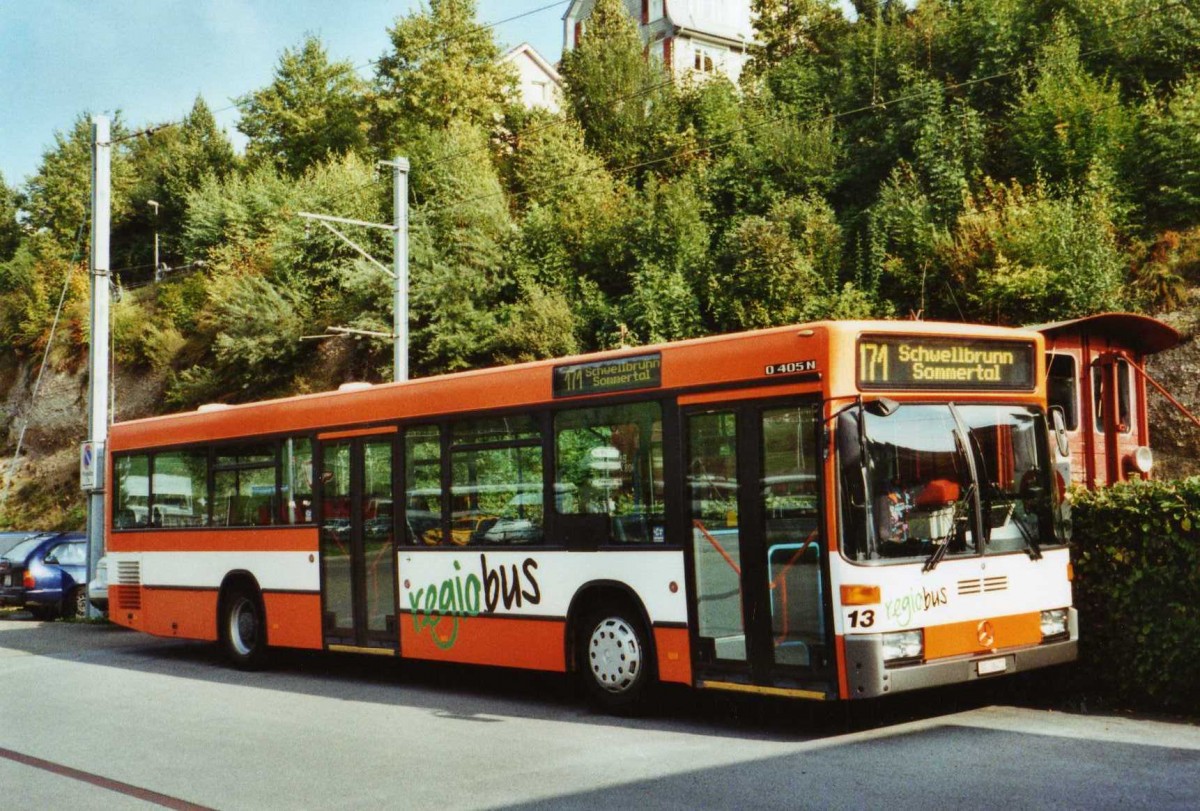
point(46, 574)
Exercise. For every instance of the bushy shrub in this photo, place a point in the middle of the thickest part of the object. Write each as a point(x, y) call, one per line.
point(1137, 581)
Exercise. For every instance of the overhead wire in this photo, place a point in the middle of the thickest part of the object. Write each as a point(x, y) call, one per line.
point(477, 27)
point(435, 44)
point(722, 139)
point(727, 137)
point(37, 385)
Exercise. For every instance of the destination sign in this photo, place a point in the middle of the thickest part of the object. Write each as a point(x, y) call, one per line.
point(908, 362)
point(601, 377)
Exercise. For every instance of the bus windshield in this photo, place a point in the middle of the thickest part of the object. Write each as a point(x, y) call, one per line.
point(935, 477)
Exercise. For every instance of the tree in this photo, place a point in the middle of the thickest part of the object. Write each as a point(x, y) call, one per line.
point(58, 196)
point(670, 241)
point(311, 111)
point(1164, 163)
point(623, 102)
point(459, 231)
point(573, 238)
point(10, 229)
point(1066, 122)
point(169, 165)
point(787, 27)
point(253, 328)
point(443, 66)
point(781, 268)
point(1023, 255)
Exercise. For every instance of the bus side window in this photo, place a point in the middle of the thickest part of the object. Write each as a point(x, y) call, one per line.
point(609, 463)
point(244, 488)
point(297, 486)
point(423, 485)
point(132, 507)
point(496, 481)
point(179, 496)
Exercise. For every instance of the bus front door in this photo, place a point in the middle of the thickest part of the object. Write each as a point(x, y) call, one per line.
point(358, 544)
point(758, 582)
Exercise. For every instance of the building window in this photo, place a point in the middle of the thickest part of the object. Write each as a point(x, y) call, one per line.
point(706, 59)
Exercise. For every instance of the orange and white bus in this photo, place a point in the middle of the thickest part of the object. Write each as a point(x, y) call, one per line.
point(835, 510)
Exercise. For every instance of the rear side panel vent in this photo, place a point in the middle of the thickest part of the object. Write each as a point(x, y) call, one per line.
point(129, 585)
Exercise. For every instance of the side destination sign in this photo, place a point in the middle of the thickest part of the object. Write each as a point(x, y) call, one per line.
point(908, 362)
point(622, 374)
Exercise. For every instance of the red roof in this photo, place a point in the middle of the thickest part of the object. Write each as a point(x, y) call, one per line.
point(1140, 333)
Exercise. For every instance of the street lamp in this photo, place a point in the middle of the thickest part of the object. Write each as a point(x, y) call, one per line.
point(157, 273)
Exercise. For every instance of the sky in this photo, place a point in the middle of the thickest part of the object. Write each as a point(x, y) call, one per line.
point(151, 58)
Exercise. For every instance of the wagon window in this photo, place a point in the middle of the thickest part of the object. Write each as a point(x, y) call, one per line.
point(1062, 387)
point(1124, 410)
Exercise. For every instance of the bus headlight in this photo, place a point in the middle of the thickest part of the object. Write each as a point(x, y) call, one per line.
point(905, 645)
point(1054, 624)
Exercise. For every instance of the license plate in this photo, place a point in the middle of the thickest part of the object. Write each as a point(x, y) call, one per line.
point(989, 666)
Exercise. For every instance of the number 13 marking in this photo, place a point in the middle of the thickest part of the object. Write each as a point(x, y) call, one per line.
point(861, 619)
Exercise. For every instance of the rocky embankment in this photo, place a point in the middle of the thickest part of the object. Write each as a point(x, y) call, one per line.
point(41, 490)
point(1175, 438)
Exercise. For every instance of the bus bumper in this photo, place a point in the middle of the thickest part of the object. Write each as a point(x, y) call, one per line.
point(868, 677)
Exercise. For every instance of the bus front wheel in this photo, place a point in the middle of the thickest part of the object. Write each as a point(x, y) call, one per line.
point(244, 630)
point(614, 660)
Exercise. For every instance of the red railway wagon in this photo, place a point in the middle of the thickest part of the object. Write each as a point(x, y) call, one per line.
point(1096, 375)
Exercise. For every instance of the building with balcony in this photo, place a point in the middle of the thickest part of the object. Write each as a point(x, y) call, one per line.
point(692, 38)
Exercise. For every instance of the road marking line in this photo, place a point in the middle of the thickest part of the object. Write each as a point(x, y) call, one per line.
point(103, 782)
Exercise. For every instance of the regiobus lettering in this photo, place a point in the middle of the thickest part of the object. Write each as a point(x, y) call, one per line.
point(456, 598)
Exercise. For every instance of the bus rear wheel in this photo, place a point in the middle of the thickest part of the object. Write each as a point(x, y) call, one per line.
point(614, 660)
point(244, 629)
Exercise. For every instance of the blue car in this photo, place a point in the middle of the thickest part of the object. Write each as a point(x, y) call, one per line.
point(47, 575)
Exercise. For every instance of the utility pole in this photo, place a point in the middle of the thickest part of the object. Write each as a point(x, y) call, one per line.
point(93, 457)
point(398, 271)
point(400, 267)
point(157, 270)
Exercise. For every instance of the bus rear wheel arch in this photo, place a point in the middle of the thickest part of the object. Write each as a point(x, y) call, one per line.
point(242, 623)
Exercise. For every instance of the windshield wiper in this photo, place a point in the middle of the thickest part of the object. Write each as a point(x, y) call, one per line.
point(969, 498)
point(943, 543)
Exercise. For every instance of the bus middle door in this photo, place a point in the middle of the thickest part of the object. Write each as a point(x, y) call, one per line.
point(358, 543)
point(758, 581)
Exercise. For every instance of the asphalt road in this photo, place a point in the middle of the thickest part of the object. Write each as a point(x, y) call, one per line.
point(92, 716)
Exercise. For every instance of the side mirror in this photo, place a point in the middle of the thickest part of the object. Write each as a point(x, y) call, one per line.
point(50, 559)
point(882, 407)
point(1059, 422)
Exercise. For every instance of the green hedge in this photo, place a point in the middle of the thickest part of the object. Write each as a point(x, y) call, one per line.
point(1137, 588)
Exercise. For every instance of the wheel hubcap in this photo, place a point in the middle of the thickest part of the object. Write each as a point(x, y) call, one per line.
point(243, 626)
point(614, 654)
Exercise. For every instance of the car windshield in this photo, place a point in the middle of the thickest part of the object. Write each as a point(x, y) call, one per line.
point(934, 474)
